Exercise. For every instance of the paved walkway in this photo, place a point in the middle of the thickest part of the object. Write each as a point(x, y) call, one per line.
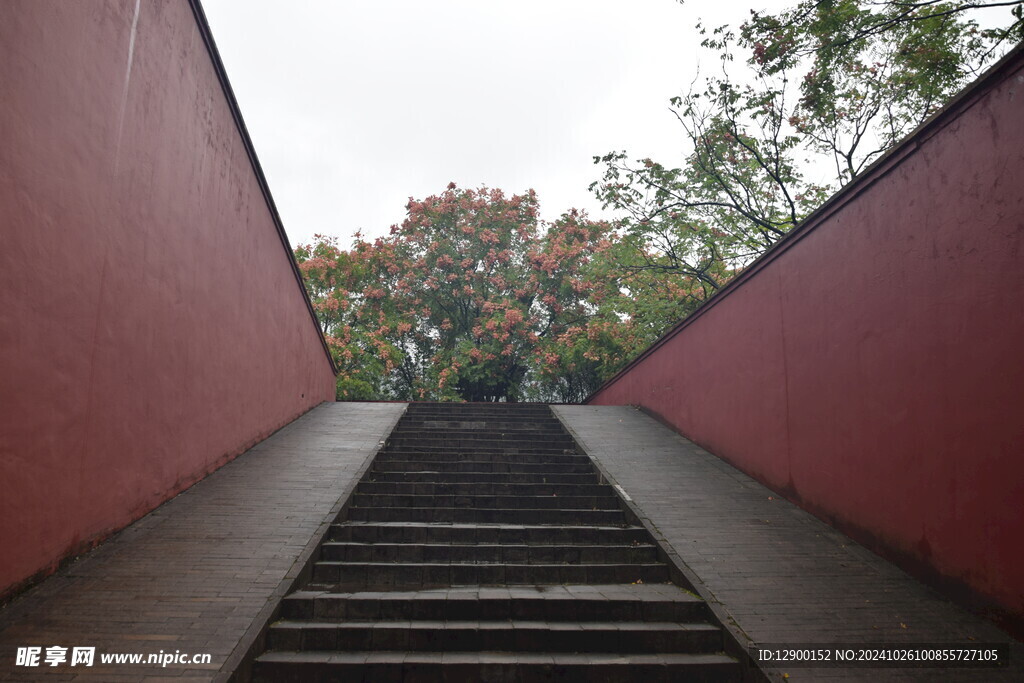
point(201, 573)
point(778, 573)
point(196, 574)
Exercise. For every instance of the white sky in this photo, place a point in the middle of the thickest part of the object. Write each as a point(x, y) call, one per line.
point(353, 107)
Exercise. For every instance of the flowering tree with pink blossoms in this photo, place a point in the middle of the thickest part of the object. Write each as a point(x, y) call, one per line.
point(472, 298)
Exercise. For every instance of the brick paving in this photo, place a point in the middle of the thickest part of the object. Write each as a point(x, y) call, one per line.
point(776, 572)
point(200, 572)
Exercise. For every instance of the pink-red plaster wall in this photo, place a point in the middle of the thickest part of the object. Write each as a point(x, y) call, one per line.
point(151, 324)
point(871, 367)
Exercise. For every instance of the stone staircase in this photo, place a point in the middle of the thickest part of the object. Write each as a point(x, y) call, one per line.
point(482, 545)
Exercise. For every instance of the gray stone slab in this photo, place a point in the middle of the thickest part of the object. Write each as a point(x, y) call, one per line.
point(779, 573)
point(198, 572)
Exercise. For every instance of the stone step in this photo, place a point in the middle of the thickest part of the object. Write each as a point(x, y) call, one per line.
point(428, 476)
point(499, 446)
point(468, 408)
point(500, 409)
point(389, 575)
point(474, 420)
point(641, 602)
point(388, 465)
point(483, 489)
point(524, 425)
point(481, 430)
point(347, 551)
point(633, 637)
point(425, 532)
point(510, 426)
point(372, 667)
point(425, 457)
point(486, 501)
point(528, 516)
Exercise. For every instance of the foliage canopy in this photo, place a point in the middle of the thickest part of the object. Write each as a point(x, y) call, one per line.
point(826, 88)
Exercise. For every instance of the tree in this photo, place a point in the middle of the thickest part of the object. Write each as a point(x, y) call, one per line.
point(470, 298)
point(828, 83)
point(871, 71)
point(339, 286)
point(814, 28)
point(593, 333)
point(461, 292)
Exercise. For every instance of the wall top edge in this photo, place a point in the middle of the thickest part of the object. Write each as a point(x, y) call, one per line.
point(236, 113)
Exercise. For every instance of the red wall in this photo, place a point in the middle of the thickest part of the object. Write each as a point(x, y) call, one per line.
point(151, 324)
point(871, 367)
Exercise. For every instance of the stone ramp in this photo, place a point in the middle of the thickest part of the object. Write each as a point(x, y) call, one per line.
point(777, 573)
point(196, 574)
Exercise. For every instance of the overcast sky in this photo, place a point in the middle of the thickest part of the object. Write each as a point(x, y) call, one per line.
point(355, 106)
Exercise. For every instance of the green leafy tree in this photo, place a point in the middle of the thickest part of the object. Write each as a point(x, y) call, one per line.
point(827, 84)
point(821, 29)
point(870, 72)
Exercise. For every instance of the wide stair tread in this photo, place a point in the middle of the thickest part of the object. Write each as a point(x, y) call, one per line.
point(474, 533)
point(483, 489)
point(565, 667)
point(488, 552)
point(374, 575)
point(636, 602)
point(509, 635)
point(485, 501)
